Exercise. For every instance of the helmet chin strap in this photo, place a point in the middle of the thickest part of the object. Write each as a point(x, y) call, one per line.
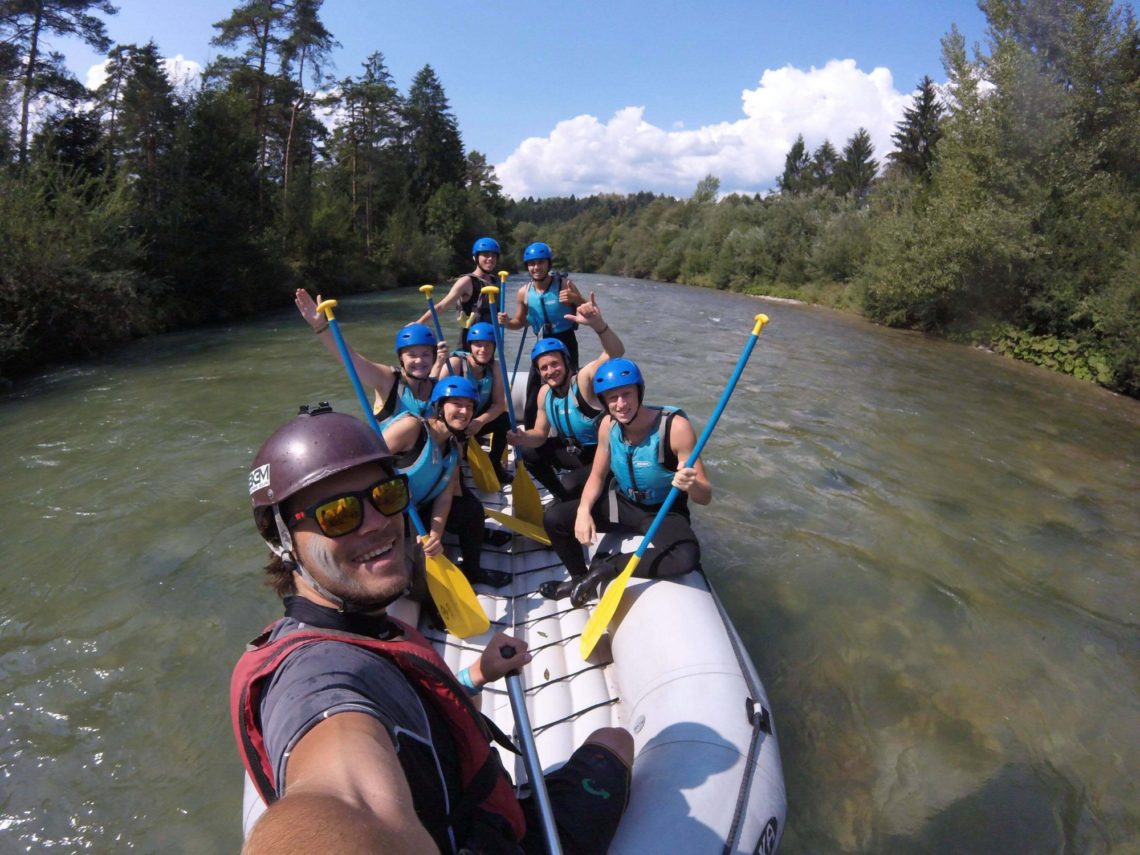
point(286, 553)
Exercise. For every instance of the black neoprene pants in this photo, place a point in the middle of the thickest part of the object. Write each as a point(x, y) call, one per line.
point(674, 551)
point(562, 473)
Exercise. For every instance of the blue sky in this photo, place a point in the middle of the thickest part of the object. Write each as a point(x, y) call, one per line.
point(623, 95)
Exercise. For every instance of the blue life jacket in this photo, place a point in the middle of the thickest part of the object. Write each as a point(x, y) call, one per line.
point(544, 312)
point(642, 472)
point(431, 470)
point(483, 385)
point(571, 415)
point(401, 399)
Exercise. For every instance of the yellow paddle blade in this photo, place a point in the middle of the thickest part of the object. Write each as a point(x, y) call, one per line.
point(535, 532)
point(455, 598)
point(481, 469)
point(527, 504)
point(607, 605)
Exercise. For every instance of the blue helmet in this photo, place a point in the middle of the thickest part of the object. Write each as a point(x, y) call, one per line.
point(485, 244)
point(549, 345)
point(414, 334)
point(616, 373)
point(481, 331)
point(453, 387)
point(536, 251)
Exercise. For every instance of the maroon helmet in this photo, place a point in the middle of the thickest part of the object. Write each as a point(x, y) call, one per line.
point(315, 445)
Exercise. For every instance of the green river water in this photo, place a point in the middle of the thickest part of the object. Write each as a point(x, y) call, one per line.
point(931, 552)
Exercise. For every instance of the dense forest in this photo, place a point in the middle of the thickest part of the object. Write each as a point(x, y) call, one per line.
point(1006, 215)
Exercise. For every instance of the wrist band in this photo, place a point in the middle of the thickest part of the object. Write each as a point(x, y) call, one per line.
point(464, 677)
point(606, 327)
point(322, 329)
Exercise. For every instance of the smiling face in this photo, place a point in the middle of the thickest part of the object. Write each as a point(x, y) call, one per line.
point(483, 351)
point(417, 360)
point(366, 568)
point(457, 412)
point(622, 403)
point(538, 268)
point(552, 369)
point(487, 261)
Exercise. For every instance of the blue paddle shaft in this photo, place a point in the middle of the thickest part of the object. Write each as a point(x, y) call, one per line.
point(435, 318)
point(503, 369)
point(701, 440)
point(438, 329)
point(346, 357)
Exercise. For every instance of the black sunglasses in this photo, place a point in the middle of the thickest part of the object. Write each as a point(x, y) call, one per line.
point(343, 513)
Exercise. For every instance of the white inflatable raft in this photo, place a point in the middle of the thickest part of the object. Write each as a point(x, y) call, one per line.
point(707, 776)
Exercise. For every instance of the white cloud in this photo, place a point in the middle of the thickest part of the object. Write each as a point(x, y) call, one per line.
point(183, 73)
point(583, 155)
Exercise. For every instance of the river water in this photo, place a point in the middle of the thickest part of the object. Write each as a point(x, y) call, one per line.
point(930, 551)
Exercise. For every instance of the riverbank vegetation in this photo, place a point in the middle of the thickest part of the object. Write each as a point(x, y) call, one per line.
point(1007, 214)
point(144, 205)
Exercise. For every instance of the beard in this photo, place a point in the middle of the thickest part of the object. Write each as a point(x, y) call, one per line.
point(361, 592)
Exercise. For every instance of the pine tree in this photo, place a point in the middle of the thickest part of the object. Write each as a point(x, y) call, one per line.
point(858, 168)
point(305, 49)
point(23, 25)
point(259, 26)
point(918, 132)
point(366, 146)
point(796, 164)
point(435, 150)
point(149, 116)
point(824, 162)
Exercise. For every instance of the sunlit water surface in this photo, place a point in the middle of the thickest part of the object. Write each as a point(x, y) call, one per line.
point(930, 551)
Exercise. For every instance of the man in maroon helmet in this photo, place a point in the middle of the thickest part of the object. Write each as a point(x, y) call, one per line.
point(352, 728)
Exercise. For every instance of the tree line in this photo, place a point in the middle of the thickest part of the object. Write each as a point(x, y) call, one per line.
point(1005, 215)
point(142, 206)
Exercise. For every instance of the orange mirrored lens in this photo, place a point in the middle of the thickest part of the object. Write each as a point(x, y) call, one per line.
point(390, 497)
point(339, 516)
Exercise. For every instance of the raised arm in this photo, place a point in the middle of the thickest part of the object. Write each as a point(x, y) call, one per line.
point(345, 792)
point(457, 292)
point(379, 377)
point(590, 315)
point(693, 479)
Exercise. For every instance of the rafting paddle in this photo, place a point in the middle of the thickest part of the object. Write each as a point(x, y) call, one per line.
point(535, 532)
point(481, 469)
point(530, 756)
point(482, 472)
point(608, 604)
point(449, 588)
point(527, 504)
point(426, 291)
